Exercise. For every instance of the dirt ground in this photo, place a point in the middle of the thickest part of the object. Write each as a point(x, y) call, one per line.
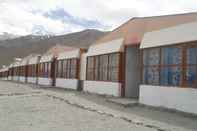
point(29, 108)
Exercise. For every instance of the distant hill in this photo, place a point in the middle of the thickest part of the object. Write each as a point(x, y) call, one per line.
point(6, 36)
point(23, 46)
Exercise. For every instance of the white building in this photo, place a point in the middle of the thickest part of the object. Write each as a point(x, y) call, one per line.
point(170, 68)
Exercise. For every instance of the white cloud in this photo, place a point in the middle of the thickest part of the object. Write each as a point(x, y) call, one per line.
point(21, 16)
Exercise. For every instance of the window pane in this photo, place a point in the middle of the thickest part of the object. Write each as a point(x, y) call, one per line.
point(90, 62)
point(114, 60)
point(73, 68)
point(68, 69)
point(151, 56)
point(90, 68)
point(90, 74)
point(59, 69)
point(96, 71)
point(191, 76)
point(113, 75)
point(33, 70)
point(103, 67)
point(49, 69)
point(171, 76)
point(191, 56)
point(113, 67)
point(171, 55)
point(64, 68)
point(151, 75)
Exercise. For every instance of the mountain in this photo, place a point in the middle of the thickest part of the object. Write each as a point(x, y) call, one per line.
point(7, 36)
point(23, 46)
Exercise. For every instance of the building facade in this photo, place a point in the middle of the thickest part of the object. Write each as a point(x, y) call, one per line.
point(170, 68)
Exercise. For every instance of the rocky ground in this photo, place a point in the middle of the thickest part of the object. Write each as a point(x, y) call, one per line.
point(31, 108)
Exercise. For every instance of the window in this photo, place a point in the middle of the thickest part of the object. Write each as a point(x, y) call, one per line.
point(191, 69)
point(113, 66)
point(32, 70)
point(64, 68)
point(67, 68)
point(171, 66)
point(73, 68)
point(90, 68)
point(44, 69)
point(59, 68)
point(151, 66)
point(171, 72)
point(96, 68)
point(103, 67)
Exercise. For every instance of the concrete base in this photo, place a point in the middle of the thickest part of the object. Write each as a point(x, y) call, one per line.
point(67, 83)
point(9, 78)
point(103, 88)
point(4, 78)
point(16, 78)
point(31, 80)
point(22, 79)
point(181, 99)
point(44, 81)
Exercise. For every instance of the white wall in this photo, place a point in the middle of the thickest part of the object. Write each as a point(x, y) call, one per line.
point(67, 83)
point(4, 78)
point(31, 80)
point(103, 88)
point(22, 79)
point(182, 99)
point(45, 81)
point(15, 78)
point(9, 78)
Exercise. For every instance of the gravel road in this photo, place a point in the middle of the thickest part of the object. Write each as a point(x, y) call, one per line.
point(24, 108)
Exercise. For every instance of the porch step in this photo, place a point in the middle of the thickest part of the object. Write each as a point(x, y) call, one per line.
point(126, 102)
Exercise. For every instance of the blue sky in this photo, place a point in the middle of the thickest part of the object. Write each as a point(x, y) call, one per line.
point(64, 16)
point(56, 17)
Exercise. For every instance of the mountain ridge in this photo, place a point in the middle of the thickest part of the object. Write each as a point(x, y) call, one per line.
point(25, 45)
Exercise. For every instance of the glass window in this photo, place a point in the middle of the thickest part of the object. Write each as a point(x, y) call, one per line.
point(114, 66)
point(151, 56)
point(45, 69)
point(31, 70)
point(90, 68)
point(96, 68)
point(191, 71)
point(64, 68)
point(49, 69)
point(151, 60)
point(103, 67)
point(171, 76)
point(59, 69)
point(171, 66)
point(73, 68)
point(171, 55)
point(191, 56)
point(151, 75)
point(177, 67)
